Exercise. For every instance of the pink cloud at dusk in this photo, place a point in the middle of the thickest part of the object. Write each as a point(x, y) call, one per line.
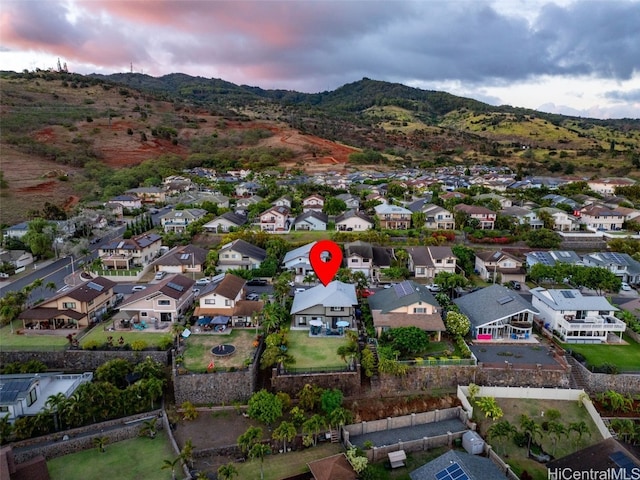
point(316, 45)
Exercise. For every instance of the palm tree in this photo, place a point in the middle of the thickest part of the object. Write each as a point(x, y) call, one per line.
point(154, 389)
point(100, 443)
point(502, 429)
point(580, 428)
point(186, 454)
point(227, 472)
point(249, 438)
point(313, 426)
point(56, 403)
point(339, 416)
point(531, 429)
point(286, 432)
point(309, 278)
point(6, 429)
point(176, 331)
point(171, 464)
point(260, 450)
point(556, 430)
point(149, 428)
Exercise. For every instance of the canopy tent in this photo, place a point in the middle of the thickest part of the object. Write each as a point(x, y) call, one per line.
point(315, 323)
point(219, 320)
point(342, 323)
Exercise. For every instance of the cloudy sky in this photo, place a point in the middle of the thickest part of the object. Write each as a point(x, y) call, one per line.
point(574, 57)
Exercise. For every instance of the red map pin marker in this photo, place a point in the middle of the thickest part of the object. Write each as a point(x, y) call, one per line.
point(326, 266)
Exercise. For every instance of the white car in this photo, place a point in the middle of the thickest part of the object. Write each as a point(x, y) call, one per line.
point(138, 288)
point(4, 275)
point(160, 275)
point(433, 287)
point(625, 286)
point(203, 281)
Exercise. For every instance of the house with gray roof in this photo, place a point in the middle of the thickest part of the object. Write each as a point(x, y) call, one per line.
point(553, 257)
point(406, 304)
point(351, 201)
point(225, 223)
point(393, 217)
point(182, 259)
point(427, 262)
point(499, 266)
point(326, 305)
point(353, 221)
point(458, 465)
point(576, 318)
point(177, 221)
point(497, 313)
point(369, 259)
point(240, 255)
point(621, 265)
point(130, 253)
point(297, 260)
point(311, 220)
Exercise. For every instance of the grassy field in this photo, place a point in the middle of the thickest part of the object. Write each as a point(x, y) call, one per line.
point(517, 456)
point(135, 459)
point(625, 357)
point(100, 335)
point(13, 341)
point(197, 354)
point(311, 352)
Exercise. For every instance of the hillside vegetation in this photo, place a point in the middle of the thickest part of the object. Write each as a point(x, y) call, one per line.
point(65, 136)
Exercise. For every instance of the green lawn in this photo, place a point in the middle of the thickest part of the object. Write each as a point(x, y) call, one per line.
point(197, 355)
point(625, 357)
point(100, 335)
point(517, 456)
point(315, 351)
point(13, 341)
point(135, 459)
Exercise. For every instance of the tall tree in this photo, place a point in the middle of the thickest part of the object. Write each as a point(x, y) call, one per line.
point(285, 432)
point(260, 450)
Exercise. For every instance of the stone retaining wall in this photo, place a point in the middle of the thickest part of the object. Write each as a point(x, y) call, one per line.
point(625, 383)
point(348, 382)
point(216, 387)
point(82, 360)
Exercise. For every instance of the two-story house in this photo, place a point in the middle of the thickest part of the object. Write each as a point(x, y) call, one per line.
point(498, 266)
point(325, 306)
point(351, 201)
point(596, 217)
point(577, 318)
point(497, 313)
point(622, 265)
point(353, 220)
point(225, 223)
point(149, 194)
point(275, 219)
point(284, 201)
point(438, 218)
point(243, 204)
point(607, 186)
point(406, 304)
point(222, 303)
point(182, 259)
point(72, 310)
point(177, 221)
point(240, 255)
point(313, 202)
point(486, 218)
point(369, 259)
point(166, 301)
point(393, 217)
point(427, 262)
point(131, 252)
point(553, 257)
point(561, 220)
point(297, 261)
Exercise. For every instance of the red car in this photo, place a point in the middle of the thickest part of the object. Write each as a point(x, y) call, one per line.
point(366, 293)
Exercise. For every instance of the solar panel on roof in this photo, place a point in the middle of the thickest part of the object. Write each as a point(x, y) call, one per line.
point(452, 472)
point(403, 289)
point(185, 256)
point(623, 461)
point(95, 286)
point(567, 294)
point(505, 300)
point(175, 286)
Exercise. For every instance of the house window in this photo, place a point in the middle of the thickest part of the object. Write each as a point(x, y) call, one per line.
point(209, 301)
point(4, 409)
point(439, 260)
point(303, 321)
point(420, 310)
point(32, 398)
point(366, 260)
point(449, 260)
point(227, 303)
point(90, 302)
point(337, 309)
point(164, 302)
point(354, 260)
point(68, 304)
point(144, 314)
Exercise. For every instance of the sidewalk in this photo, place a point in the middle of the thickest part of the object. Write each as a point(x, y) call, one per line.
point(28, 270)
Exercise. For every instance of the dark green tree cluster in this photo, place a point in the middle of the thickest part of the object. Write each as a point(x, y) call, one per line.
point(595, 278)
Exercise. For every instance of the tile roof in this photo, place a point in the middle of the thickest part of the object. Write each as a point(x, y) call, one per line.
point(245, 248)
point(90, 290)
point(335, 294)
point(401, 295)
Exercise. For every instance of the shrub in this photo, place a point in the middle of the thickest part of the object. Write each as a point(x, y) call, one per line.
point(91, 345)
point(138, 345)
point(165, 343)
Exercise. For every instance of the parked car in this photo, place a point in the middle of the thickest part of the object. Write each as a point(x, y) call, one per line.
point(160, 275)
point(253, 296)
point(138, 288)
point(257, 282)
point(4, 275)
point(515, 285)
point(433, 287)
point(364, 293)
point(625, 286)
point(300, 290)
point(203, 281)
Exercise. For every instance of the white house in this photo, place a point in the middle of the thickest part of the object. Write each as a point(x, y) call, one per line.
point(240, 255)
point(427, 262)
point(224, 300)
point(225, 223)
point(177, 221)
point(313, 202)
point(311, 220)
point(353, 220)
point(576, 318)
point(297, 260)
point(275, 219)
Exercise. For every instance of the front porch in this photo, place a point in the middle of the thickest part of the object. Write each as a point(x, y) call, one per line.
point(506, 330)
